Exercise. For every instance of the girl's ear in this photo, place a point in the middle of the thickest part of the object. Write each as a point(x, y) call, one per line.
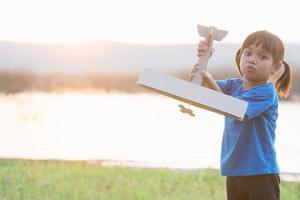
point(277, 67)
point(277, 72)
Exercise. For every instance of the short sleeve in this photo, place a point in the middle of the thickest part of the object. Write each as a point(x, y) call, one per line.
point(259, 100)
point(224, 85)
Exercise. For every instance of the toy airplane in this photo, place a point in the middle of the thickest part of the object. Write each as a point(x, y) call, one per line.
point(210, 34)
point(192, 92)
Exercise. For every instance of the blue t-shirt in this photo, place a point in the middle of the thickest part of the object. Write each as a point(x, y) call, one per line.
point(248, 145)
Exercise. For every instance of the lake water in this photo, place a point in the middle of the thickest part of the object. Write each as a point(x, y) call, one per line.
point(131, 129)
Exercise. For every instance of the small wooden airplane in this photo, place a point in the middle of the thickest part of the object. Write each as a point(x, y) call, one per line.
point(210, 34)
point(192, 92)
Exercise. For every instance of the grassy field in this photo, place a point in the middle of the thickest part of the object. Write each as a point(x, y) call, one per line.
point(43, 180)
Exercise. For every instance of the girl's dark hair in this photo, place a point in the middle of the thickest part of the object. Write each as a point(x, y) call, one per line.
point(274, 45)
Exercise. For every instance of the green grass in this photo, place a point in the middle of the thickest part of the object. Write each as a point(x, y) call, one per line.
point(21, 179)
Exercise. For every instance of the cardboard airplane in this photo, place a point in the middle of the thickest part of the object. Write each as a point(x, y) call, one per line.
point(192, 92)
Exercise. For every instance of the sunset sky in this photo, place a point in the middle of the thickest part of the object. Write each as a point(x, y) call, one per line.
point(143, 21)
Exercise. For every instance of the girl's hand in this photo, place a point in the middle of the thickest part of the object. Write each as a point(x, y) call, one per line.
point(194, 70)
point(207, 78)
point(203, 48)
point(209, 81)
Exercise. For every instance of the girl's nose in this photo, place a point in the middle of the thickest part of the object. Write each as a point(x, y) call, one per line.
point(252, 59)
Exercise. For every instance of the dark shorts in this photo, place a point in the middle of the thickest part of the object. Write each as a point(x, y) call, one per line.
point(258, 187)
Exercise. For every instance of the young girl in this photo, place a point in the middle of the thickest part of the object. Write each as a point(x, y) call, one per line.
point(248, 156)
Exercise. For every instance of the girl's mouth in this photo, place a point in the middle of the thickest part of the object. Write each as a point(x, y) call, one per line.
point(249, 68)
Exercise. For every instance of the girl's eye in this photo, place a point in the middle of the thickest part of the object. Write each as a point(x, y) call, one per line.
point(247, 53)
point(263, 57)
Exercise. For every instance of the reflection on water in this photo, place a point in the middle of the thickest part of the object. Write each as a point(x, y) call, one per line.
point(143, 128)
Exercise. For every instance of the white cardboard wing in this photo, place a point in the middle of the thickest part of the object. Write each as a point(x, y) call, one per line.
point(193, 94)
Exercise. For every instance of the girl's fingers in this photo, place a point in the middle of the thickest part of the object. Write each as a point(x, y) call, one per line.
point(195, 68)
point(201, 51)
point(202, 45)
point(200, 54)
point(202, 42)
point(202, 48)
point(192, 76)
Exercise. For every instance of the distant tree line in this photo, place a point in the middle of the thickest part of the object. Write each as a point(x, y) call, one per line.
point(26, 81)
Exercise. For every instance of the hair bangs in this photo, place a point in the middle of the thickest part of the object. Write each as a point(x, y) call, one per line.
point(268, 41)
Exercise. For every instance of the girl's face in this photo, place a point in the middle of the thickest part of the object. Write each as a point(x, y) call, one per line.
point(256, 64)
